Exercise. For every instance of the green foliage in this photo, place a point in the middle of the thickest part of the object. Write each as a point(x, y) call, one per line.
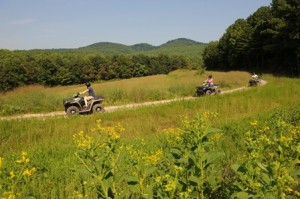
point(268, 41)
point(270, 169)
point(186, 162)
point(52, 69)
point(211, 55)
point(148, 174)
point(16, 178)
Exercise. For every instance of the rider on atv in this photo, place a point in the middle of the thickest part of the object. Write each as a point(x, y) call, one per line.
point(209, 81)
point(254, 81)
point(91, 95)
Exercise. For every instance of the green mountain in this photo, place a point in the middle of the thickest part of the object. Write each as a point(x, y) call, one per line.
point(143, 47)
point(180, 42)
point(181, 46)
point(107, 48)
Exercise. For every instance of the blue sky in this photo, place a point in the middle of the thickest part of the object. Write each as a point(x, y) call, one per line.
point(47, 24)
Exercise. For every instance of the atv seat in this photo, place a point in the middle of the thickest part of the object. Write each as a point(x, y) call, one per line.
point(98, 97)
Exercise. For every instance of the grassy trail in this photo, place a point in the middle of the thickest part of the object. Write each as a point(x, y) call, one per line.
point(115, 108)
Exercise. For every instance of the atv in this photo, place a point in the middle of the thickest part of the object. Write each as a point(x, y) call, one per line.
point(207, 90)
point(253, 82)
point(76, 105)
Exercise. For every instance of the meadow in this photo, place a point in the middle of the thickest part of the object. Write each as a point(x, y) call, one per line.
point(181, 83)
point(243, 144)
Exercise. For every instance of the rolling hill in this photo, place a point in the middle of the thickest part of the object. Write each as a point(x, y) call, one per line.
point(181, 46)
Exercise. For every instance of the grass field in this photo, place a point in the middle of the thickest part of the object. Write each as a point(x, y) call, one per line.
point(36, 99)
point(51, 148)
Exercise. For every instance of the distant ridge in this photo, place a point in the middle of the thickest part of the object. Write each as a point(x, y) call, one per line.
point(181, 42)
point(107, 47)
point(143, 47)
point(180, 46)
point(116, 48)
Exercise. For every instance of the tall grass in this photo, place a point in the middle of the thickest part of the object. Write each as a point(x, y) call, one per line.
point(35, 99)
point(151, 120)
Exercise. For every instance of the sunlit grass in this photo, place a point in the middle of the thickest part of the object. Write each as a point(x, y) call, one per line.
point(180, 83)
point(49, 140)
point(151, 120)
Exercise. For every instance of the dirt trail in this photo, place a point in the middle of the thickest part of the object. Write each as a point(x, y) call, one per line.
point(115, 108)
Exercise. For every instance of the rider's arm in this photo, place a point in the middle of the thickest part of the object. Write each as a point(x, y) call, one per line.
point(85, 91)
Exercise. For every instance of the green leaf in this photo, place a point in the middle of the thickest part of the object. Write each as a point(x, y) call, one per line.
point(194, 180)
point(266, 179)
point(133, 183)
point(239, 168)
point(108, 174)
point(242, 195)
point(150, 170)
point(132, 179)
point(260, 165)
point(82, 171)
point(235, 167)
point(183, 160)
point(239, 185)
point(213, 157)
point(212, 130)
point(176, 153)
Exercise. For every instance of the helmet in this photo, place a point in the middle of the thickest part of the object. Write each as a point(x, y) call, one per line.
point(87, 84)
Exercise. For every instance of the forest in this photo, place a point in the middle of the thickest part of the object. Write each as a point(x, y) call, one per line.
point(267, 41)
point(19, 68)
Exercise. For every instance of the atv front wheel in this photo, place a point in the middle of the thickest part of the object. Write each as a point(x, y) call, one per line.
point(72, 110)
point(97, 108)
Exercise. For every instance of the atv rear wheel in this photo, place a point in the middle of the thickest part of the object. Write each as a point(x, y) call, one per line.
point(72, 110)
point(97, 108)
point(208, 92)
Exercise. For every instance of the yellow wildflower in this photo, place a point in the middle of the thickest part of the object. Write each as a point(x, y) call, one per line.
point(253, 123)
point(284, 139)
point(115, 135)
point(216, 136)
point(120, 127)
point(82, 140)
point(184, 195)
point(158, 179)
point(24, 158)
point(271, 154)
point(12, 174)
point(29, 172)
point(1, 159)
point(170, 186)
point(153, 158)
point(264, 129)
point(24, 153)
point(177, 168)
point(8, 195)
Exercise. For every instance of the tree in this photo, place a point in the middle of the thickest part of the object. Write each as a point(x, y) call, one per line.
point(211, 56)
point(233, 45)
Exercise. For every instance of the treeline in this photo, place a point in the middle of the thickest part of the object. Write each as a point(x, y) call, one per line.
point(18, 68)
point(267, 41)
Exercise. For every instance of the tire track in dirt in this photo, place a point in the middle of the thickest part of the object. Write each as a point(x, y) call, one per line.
point(115, 108)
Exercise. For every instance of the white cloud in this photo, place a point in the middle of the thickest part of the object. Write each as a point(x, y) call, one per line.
point(21, 22)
